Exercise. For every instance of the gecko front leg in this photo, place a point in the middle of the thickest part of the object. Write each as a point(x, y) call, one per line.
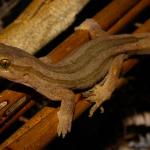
point(103, 91)
point(65, 114)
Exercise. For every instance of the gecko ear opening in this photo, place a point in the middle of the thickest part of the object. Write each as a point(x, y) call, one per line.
point(5, 63)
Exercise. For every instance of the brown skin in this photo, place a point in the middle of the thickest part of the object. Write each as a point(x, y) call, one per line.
point(99, 58)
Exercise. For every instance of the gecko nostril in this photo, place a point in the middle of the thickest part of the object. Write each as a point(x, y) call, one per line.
point(25, 76)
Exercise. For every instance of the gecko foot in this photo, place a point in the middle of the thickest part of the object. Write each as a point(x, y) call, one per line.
point(103, 91)
point(64, 125)
point(98, 94)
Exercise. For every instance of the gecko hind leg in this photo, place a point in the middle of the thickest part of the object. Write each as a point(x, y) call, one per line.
point(103, 90)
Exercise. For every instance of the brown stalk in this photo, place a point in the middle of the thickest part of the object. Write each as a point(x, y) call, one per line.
point(17, 115)
point(6, 7)
point(7, 96)
point(41, 22)
point(129, 16)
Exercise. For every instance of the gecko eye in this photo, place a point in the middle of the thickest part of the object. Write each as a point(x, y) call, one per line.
point(5, 63)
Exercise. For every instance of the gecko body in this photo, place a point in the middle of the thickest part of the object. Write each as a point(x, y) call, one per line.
point(86, 67)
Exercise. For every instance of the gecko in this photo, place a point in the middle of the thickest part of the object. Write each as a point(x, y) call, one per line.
point(94, 69)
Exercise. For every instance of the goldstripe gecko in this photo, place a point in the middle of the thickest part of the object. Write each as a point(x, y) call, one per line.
point(95, 65)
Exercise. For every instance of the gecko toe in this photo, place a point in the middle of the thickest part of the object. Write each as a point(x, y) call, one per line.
point(87, 93)
point(64, 125)
point(93, 109)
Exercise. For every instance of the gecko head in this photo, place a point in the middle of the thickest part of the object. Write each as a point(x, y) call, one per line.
point(8, 57)
point(14, 62)
point(5, 58)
